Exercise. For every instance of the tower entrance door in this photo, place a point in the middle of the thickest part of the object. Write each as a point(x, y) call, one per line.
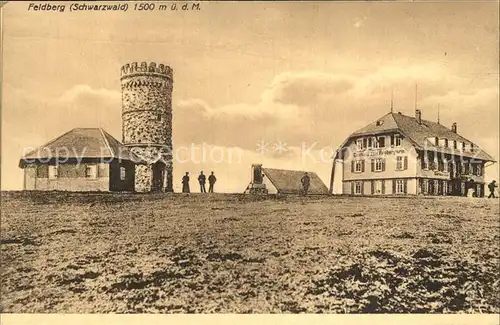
point(157, 182)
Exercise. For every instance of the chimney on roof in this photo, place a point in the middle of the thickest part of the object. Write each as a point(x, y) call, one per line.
point(454, 127)
point(418, 116)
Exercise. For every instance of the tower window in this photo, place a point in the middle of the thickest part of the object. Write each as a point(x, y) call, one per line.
point(123, 173)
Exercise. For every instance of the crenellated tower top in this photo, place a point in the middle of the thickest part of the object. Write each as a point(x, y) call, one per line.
point(134, 69)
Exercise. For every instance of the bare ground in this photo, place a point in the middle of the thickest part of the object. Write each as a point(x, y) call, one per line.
point(123, 253)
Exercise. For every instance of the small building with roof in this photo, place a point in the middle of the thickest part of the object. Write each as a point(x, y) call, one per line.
point(282, 181)
point(399, 154)
point(82, 159)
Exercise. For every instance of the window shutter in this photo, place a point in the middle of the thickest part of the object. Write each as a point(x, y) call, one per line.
point(373, 187)
point(405, 162)
point(362, 187)
point(352, 166)
point(362, 166)
point(369, 142)
point(405, 184)
point(393, 186)
point(364, 142)
point(383, 164)
point(383, 186)
point(392, 140)
point(353, 184)
point(373, 165)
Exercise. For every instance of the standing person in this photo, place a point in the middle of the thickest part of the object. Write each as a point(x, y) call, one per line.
point(491, 187)
point(211, 181)
point(305, 180)
point(201, 180)
point(470, 188)
point(185, 183)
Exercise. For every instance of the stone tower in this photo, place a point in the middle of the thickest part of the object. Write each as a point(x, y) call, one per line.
point(147, 122)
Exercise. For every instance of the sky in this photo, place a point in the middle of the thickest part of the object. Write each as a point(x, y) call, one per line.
point(281, 84)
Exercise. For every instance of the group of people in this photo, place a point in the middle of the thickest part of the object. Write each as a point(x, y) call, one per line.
point(202, 179)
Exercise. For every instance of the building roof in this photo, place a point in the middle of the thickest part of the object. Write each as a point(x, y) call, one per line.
point(288, 181)
point(419, 134)
point(82, 143)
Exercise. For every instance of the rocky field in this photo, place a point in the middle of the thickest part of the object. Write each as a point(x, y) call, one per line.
point(125, 253)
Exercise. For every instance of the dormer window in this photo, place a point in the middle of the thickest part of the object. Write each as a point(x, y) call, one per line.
point(479, 170)
point(455, 144)
point(380, 122)
point(436, 141)
point(446, 143)
point(446, 164)
point(432, 160)
point(440, 165)
point(425, 161)
point(472, 147)
point(463, 146)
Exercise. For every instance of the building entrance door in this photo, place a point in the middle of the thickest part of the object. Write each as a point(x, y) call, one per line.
point(456, 187)
point(157, 181)
point(378, 187)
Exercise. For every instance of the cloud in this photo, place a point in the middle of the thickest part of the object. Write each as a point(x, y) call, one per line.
point(458, 100)
point(307, 87)
point(360, 22)
point(86, 92)
point(403, 77)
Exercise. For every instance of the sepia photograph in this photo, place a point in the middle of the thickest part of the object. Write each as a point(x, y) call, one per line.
point(224, 157)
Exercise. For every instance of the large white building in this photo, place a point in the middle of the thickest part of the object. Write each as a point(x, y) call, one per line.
point(399, 154)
